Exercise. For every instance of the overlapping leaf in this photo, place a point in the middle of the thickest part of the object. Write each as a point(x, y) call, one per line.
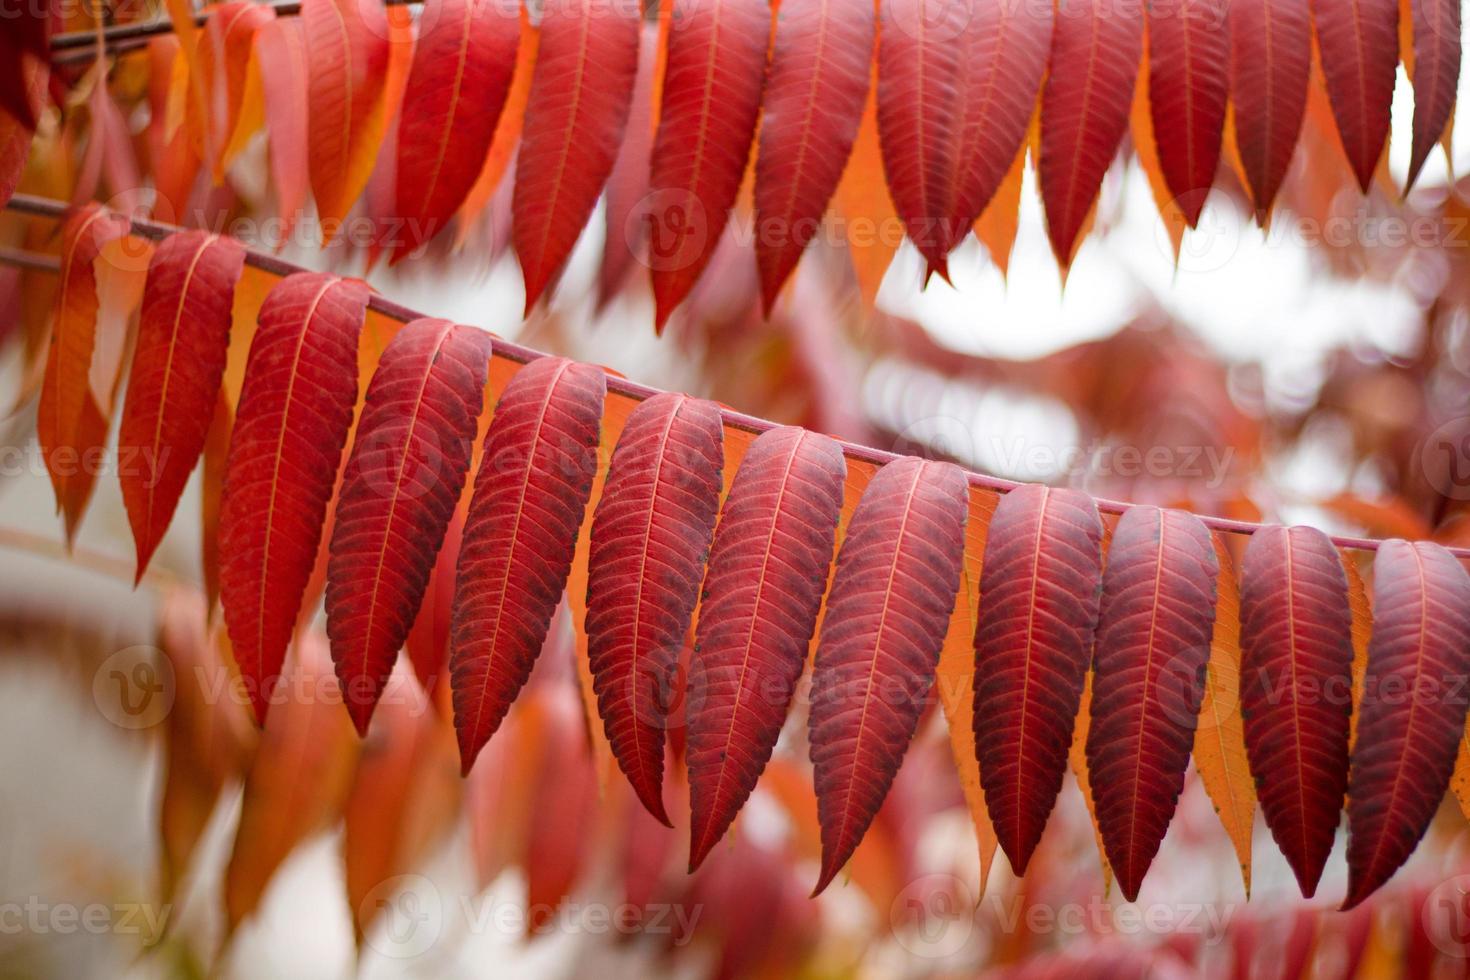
point(402, 482)
point(1153, 647)
point(461, 74)
point(1357, 41)
point(1188, 61)
point(347, 41)
point(1095, 52)
point(69, 420)
point(1044, 552)
point(768, 571)
point(529, 501)
point(713, 81)
point(1413, 712)
point(651, 535)
point(1270, 64)
point(586, 64)
point(280, 51)
point(178, 364)
point(290, 427)
point(813, 105)
point(892, 595)
point(919, 115)
point(1436, 75)
point(1296, 692)
point(1004, 54)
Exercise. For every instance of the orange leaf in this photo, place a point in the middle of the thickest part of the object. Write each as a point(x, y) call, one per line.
point(956, 678)
point(1219, 739)
point(69, 418)
point(507, 130)
point(349, 46)
point(297, 784)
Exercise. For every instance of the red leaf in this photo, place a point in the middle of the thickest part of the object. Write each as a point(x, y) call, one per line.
point(348, 45)
point(280, 49)
point(919, 119)
point(711, 98)
point(1043, 553)
point(402, 482)
point(68, 415)
point(1006, 47)
point(1296, 689)
point(178, 363)
point(1270, 63)
point(650, 538)
point(1095, 51)
point(461, 74)
point(823, 51)
point(1436, 75)
point(626, 202)
point(529, 503)
point(1153, 645)
point(295, 409)
point(16, 132)
point(580, 93)
point(1358, 41)
point(895, 586)
point(1413, 710)
point(767, 572)
point(1188, 81)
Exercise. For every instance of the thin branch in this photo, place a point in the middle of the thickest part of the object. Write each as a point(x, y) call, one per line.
point(36, 261)
point(46, 207)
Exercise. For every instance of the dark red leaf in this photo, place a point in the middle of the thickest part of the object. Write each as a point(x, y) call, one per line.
point(1358, 41)
point(650, 538)
point(711, 98)
point(1296, 689)
point(1413, 708)
point(295, 409)
point(24, 46)
point(580, 92)
point(818, 86)
point(1005, 51)
point(462, 65)
point(178, 363)
point(897, 577)
point(403, 479)
point(767, 572)
point(1188, 81)
point(1436, 75)
point(919, 118)
point(1043, 555)
point(1153, 645)
point(529, 503)
point(1095, 51)
point(1270, 63)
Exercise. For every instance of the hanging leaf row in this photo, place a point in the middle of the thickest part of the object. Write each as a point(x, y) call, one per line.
point(577, 98)
point(775, 555)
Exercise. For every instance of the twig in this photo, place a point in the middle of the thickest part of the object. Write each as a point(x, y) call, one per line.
point(21, 259)
point(46, 207)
